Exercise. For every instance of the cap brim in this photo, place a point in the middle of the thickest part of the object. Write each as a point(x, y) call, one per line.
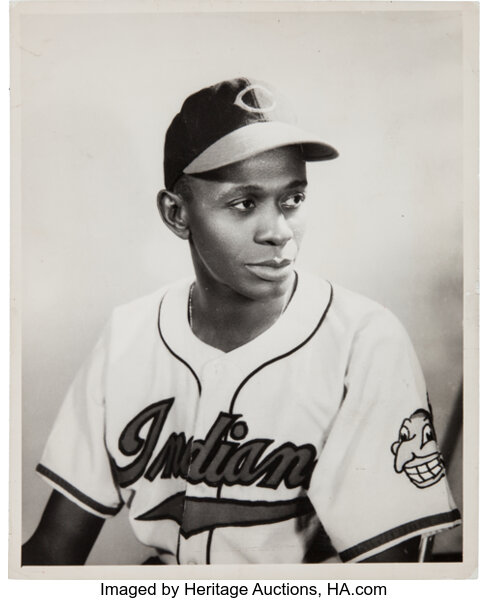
point(253, 139)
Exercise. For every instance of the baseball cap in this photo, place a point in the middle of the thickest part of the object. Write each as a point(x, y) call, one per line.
point(231, 121)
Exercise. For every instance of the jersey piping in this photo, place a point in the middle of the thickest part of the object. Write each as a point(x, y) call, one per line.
point(267, 363)
point(277, 358)
point(403, 531)
point(199, 385)
point(104, 510)
point(174, 353)
point(192, 355)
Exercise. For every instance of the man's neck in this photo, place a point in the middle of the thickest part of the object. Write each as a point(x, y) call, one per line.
point(227, 320)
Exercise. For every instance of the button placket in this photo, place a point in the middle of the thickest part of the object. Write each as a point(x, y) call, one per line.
point(219, 380)
point(192, 550)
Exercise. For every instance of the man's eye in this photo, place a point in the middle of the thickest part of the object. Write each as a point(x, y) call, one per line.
point(244, 205)
point(293, 201)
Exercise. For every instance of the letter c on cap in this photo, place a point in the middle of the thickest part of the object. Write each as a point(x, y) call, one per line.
point(239, 101)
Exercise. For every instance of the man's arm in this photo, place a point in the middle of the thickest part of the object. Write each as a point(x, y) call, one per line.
point(64, 536)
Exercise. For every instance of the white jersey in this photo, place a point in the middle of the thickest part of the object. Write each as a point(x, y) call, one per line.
point(315, 438)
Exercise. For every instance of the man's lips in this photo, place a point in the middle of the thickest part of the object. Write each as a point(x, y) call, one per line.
point(276, 263)
point(277, 269)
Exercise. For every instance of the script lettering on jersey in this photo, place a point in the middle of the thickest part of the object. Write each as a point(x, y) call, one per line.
point(215, 460)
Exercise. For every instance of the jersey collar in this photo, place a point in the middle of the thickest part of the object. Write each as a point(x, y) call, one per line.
point(296, 326)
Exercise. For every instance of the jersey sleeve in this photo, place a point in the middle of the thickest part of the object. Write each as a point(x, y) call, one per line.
point(75, 461)
point(380, 478)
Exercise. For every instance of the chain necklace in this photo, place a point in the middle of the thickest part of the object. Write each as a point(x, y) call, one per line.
point(190, 306)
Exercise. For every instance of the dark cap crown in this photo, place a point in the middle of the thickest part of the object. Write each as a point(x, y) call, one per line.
point(231, 121)
point(213, 112)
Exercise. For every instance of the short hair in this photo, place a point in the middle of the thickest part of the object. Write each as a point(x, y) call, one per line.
point(183, 188)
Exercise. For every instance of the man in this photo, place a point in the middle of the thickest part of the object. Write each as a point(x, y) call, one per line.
point(253, 414)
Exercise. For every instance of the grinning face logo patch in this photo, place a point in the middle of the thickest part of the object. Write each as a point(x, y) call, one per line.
point(416, 452)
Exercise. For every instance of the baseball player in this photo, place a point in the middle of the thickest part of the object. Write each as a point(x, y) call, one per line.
point(251, 414)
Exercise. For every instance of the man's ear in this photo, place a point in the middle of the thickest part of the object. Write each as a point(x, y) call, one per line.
point(172, 209)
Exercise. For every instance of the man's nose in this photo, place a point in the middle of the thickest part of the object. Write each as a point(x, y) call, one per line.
point(274, 228)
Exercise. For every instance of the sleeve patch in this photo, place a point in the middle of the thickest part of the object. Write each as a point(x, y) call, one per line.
point(416, 453)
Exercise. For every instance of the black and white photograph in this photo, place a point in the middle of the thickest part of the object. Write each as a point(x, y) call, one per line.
point(244, 275)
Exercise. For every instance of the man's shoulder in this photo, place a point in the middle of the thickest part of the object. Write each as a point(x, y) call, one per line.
point(352, 312)
point(356, 304)
point(365, 317)
point(144, 308)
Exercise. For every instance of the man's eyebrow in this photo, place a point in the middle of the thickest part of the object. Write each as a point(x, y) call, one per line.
point(249, 188)
point(297, 183)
